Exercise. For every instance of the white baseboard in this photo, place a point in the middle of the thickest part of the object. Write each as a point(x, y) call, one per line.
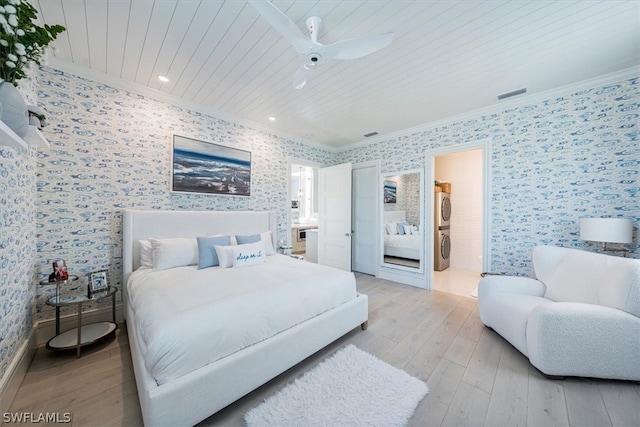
point(46, 329)
point(12, 378)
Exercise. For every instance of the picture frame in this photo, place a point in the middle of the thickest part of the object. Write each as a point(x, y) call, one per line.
point(60, 272)
point(390, 191)
point(98, 281)
point(206, 168)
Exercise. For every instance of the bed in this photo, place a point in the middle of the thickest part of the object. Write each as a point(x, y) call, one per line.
point(400, 245)
point(179, 381)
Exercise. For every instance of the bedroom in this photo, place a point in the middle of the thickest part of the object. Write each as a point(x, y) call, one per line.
point(66, 200)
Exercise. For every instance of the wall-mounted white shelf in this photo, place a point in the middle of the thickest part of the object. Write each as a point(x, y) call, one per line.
point(33, 138)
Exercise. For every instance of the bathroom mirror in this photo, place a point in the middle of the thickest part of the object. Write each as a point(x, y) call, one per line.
point(402, 242)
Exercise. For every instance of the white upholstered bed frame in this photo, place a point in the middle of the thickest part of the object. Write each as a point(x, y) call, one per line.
point(394, 216)
point(195, 396)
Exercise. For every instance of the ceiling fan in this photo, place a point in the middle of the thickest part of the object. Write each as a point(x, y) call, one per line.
point(314, 53)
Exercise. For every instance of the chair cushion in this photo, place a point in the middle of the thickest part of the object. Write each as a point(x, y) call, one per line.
point(508, 314)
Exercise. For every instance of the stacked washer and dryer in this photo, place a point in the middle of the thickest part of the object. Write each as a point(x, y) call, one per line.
point(442, 246)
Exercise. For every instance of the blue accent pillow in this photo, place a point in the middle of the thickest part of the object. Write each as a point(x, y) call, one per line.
point(207, 256)
point(401, 227)
point(243, 240)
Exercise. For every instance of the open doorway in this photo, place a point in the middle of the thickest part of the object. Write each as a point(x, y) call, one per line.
point(460, 190)
point(303, 190)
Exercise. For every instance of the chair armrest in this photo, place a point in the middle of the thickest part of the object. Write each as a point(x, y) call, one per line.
point(510, 284)
point(576, 339)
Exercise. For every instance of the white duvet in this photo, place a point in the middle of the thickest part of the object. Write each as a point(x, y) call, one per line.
point(189, 318)
point(402, 245)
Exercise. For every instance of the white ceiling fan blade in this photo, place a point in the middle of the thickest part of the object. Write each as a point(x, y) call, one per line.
point(357, 48)
point(282, 24)
point(300, 77)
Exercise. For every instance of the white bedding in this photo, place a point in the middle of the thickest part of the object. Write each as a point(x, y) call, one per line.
point(189, 318)
point(402, 245)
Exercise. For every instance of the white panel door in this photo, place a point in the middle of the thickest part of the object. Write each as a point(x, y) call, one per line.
point(365, 180)
point(334, 216)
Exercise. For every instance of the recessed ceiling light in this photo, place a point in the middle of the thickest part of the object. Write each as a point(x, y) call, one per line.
point(272, 119)
point(163, 79)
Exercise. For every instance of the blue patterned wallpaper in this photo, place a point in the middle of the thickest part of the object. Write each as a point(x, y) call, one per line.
point(17, 250)
point(553, 162)
point(111, 149)
point(407, 197)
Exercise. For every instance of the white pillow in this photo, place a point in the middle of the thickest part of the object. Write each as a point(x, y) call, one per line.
point(392, 228)
point(146, 254)
point(174, 252)
point(265, 236)
point(225, 255)
point(408, 229)
point(241, 255)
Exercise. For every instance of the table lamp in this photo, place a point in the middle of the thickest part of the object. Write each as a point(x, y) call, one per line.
point(607, 230)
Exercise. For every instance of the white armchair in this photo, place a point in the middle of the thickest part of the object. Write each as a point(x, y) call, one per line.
point(581, 317)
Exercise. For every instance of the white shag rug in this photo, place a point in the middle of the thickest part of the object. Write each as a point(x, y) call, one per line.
point(351, 388)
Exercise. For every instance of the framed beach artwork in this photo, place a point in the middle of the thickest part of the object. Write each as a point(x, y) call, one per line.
point(205, 167)
point(390, 191)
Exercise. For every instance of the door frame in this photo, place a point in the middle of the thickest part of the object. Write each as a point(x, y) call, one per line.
point(430, 157)
point(376, 165)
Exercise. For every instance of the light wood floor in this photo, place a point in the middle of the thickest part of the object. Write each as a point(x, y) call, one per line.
point(475, 378)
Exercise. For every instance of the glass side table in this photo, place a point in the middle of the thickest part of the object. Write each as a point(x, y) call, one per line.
point(71, 280)
point(81, 335)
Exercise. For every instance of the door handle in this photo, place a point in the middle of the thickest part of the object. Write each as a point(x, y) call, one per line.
point(347, 234)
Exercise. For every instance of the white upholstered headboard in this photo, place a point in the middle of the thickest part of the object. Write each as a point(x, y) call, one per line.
point(394, 216)
point(145, 224)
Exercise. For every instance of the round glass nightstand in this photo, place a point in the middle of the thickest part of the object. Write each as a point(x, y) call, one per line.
point(81, 335)
point(71, 280)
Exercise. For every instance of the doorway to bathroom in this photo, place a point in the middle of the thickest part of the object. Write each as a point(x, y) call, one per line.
point(459, 176)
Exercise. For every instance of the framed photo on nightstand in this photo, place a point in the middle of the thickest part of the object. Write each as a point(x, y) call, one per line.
point(60, 272)
point(98, 281)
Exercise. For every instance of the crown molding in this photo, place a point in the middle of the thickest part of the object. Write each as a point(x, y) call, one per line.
point(139, 89)
point(503, 105)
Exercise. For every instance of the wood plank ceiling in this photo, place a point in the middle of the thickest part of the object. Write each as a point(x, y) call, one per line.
point(447, 57)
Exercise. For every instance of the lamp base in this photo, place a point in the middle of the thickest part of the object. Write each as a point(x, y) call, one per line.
point(605, 248)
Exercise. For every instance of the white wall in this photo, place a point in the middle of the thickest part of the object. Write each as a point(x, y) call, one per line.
point(464, 171)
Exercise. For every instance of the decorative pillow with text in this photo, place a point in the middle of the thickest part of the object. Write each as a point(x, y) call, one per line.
point(241, 255)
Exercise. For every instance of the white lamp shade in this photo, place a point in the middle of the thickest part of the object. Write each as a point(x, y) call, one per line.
point(610, 230)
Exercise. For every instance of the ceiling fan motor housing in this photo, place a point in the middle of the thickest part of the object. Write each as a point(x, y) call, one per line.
point(314, 58)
